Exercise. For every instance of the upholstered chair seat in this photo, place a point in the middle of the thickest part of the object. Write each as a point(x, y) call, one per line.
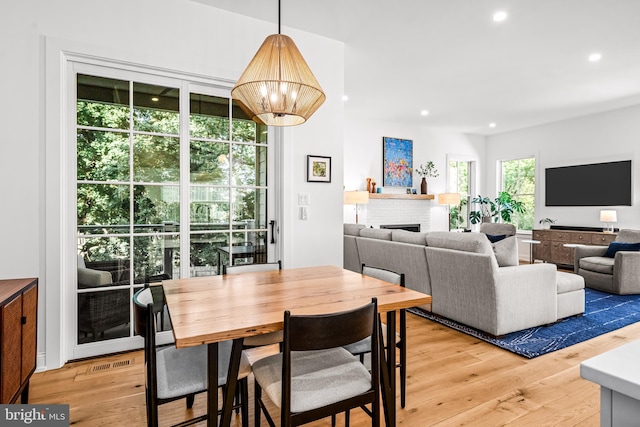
point(318, 378)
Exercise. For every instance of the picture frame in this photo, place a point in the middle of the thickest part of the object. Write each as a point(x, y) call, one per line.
point(318, 168)
point(397, 162)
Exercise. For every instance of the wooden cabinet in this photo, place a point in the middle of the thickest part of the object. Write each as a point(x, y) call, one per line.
point(552, 244)
point(18, 327)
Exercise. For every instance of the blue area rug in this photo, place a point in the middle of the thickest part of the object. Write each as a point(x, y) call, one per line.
point(603, 313)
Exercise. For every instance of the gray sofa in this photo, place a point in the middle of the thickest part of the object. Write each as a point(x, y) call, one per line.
point(619, 274)
point(471, 280)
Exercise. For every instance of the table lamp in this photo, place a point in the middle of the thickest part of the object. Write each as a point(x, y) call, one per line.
point(608, 217)
point(449, 199)
point(356, 198)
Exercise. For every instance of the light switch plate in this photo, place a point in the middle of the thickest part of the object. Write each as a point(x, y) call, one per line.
point(303, 199)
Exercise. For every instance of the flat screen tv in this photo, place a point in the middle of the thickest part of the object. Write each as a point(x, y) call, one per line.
point(597, 184)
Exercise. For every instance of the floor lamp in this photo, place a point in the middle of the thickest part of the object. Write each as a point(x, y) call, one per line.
point(356, 198)
point(449, 199)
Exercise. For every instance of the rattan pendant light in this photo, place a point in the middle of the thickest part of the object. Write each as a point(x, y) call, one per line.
point(278, 86)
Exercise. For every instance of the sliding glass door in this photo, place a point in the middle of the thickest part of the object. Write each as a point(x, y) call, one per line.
point(171, 182)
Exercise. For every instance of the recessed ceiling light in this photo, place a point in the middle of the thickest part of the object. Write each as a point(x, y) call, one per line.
point(424, 113)
point(155, 99)
point(492, 125)
point(595, 57)
point(500, 16)
point(345, 98)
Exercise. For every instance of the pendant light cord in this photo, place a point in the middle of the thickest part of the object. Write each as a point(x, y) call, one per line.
point(278, 16)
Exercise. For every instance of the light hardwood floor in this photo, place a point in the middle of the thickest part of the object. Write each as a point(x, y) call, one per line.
point(453, 380)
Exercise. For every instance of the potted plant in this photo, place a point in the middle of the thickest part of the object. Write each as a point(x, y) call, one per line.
point(500, 208)
point(427, 170)
point(546, 223)
point(455, 215)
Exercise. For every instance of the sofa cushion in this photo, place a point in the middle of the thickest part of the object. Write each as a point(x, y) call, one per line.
point(568, 282)
point(598, 264)
point(353, 229)
point(404, 236)
point(506, 251)
point(89, 278)
point(495, 238)
point(621, 246)
point(375, 233)
point(497, 228)
point(467, 242)
point(629, 236)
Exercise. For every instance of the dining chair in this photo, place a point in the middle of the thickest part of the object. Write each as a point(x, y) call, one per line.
point(315, 377)
point(262, 339)
point(363, 347)
point(173, 373)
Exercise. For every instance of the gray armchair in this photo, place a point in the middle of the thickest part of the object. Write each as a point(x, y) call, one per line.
point(617, 275)
point(100, 310)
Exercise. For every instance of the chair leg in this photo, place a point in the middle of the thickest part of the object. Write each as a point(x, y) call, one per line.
point(244, 383)
point(152, 411)
point(257, 395)
point(403, 358)
point(190, 399)
point(239, 400)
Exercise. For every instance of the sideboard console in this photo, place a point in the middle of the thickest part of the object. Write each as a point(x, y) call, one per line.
point(552, 243)
point(18, 324)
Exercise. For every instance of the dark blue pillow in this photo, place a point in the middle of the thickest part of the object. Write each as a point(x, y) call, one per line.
point(494, 239)
point(621, 246)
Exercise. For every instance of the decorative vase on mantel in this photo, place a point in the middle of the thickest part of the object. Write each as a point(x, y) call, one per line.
point(423, 186)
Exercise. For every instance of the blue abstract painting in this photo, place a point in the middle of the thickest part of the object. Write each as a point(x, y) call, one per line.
point(398, 162)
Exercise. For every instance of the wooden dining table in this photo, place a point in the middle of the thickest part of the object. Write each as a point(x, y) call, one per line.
point(208, 310)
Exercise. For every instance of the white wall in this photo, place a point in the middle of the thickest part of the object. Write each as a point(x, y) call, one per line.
point(177, 35)
point(363, 158)
point(610, 136)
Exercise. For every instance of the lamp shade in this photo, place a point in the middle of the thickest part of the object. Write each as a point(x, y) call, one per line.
point(448, 198)
point(356, 197)
point(278, 87)
point(608, 216)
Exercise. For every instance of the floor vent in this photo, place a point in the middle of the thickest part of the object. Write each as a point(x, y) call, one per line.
point(103, 367)
point(121, 363)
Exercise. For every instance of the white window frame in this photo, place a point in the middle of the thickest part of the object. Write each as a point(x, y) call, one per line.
point(474, 177)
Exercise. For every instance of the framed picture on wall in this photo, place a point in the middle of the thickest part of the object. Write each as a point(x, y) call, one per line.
point(397, 162)
point(318, 169)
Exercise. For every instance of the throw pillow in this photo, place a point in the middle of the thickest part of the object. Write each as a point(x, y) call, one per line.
point(506, 251)
point(494, 239)
point(620, 246)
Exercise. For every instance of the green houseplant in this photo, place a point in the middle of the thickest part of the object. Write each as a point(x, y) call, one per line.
point(456, 214)
point(502, 207)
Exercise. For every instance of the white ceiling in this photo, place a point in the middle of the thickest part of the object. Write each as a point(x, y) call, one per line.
point(449, 57)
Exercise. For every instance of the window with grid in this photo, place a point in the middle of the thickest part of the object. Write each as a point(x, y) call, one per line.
point(459, 182)
point(156, 161)
point(518, 178)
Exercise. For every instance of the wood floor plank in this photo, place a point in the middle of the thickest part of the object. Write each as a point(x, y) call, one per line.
point(453, 380)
